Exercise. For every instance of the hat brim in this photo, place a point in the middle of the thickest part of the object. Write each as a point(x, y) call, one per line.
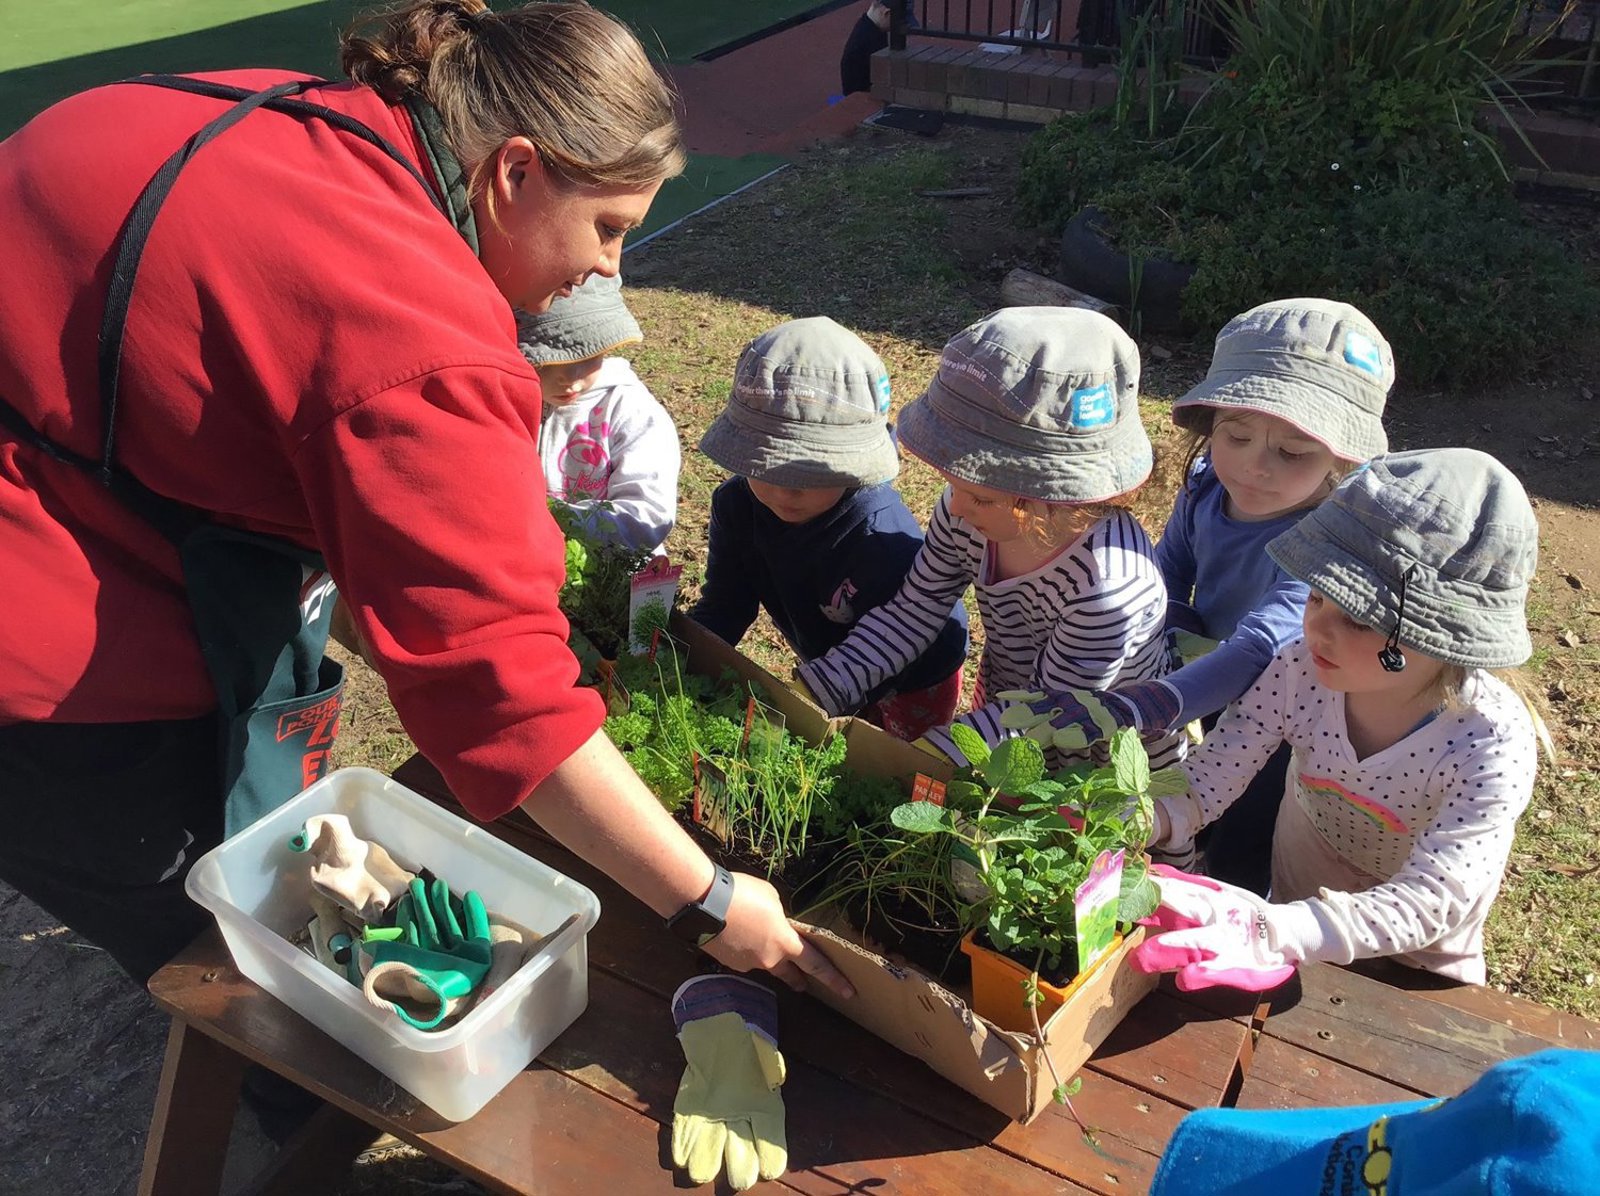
point(1456, 623)
point(803, 457)
point(1051, 468)
point(581, 337)
point(1327, 418)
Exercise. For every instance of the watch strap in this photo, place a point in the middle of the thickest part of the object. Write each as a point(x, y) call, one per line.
point(712, 909)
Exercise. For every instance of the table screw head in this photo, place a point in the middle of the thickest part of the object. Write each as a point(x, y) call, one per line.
point(1325, 1035)
point(211, 975)
point(1336, 1000)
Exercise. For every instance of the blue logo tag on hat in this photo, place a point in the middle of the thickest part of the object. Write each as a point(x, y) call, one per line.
point(882, 386)
point(1093, 407)
point(1361, 351)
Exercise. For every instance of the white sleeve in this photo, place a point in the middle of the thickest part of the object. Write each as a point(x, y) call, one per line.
point(889, 637)
point(1457, 862)
point(641, 502)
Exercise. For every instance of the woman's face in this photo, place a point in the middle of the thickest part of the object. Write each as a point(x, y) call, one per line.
point(544, 236)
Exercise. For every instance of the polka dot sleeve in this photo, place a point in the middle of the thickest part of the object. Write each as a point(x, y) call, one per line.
point(1248, 733)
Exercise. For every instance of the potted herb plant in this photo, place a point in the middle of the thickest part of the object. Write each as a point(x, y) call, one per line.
point(1026, 847)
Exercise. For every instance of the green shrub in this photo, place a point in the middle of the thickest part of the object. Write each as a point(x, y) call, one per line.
point(1341, 154)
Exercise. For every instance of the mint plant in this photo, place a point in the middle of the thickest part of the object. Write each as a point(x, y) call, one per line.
point(1019, 870)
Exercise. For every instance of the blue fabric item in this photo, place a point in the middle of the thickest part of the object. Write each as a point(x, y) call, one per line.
point(707, 996)
point(1220, 566)
point(1525, 1128)
point(815, 579)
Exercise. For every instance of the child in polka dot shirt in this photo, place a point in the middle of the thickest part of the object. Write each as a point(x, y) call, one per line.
point(1411, 760)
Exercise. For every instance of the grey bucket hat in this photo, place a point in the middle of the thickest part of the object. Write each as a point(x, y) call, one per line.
point(1040, 402)
point(809, 408)
point(590, 322)
point(1321, 365)
point(1458, 521)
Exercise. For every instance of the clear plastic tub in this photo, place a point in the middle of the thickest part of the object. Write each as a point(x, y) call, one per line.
point(258, 889)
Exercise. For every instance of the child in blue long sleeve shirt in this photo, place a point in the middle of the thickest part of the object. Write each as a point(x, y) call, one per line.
point(1293, 400)
point(810, 528)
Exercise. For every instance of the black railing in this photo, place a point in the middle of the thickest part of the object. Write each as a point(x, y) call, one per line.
point(1098, 25)
point(1095, 33)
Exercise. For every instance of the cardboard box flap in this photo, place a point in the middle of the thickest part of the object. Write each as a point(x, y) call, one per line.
point(908, 1009)
point(710, 656)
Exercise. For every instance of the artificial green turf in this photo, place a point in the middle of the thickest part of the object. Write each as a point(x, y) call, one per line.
point(706, 178)
point(48, 51)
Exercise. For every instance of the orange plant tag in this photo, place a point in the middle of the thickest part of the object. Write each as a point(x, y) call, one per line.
point(925, 788)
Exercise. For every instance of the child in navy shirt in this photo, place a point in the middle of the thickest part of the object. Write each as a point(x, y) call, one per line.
point(811, 528)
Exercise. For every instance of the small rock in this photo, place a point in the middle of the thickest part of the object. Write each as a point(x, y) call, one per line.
point(1159, 353)
point(1545, 815)
point(1573, 580)
point(1586, 392)
point(1568, 639)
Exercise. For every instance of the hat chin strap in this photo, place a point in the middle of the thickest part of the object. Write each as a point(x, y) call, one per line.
point(1389, 656)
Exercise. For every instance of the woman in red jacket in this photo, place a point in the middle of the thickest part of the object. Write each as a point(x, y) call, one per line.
point(257, 339)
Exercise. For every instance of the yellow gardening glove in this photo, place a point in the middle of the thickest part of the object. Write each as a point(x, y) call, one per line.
point(728, 1110)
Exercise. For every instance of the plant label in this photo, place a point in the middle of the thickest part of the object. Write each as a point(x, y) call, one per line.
point(925, 788)
point(710, 788)
point(1095, 908)
point(763, 730)
point(651, 593)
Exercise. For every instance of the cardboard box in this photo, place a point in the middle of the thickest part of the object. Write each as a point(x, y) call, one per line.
point(899, 1002)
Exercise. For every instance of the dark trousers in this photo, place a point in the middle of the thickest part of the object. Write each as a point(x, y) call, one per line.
point(103, 822)
point(1238, 846)
point(855, 64)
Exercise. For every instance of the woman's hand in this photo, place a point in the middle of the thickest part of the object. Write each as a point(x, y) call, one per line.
point(758, 934)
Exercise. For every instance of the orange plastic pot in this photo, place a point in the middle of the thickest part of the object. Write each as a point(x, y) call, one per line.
point(998, 995)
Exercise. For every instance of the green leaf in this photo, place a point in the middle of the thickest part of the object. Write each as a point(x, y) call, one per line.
point(1138, 902)
point(920, 817)
point(1130, 762)
point(1169, 782)
point(971, 745)
point(1015, 764)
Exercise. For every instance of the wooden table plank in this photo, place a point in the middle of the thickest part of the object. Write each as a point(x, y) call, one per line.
point(1554, 1026)
point(1283, 1076)
point(1424, 1046)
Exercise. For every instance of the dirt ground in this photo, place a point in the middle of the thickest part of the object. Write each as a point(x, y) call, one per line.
point(82, 1046)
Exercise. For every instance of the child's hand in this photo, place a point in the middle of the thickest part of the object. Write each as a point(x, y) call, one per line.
point(1212, 934)
point(1081, 717)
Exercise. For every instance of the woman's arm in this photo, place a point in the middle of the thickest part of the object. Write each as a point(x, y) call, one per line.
point(596, 806)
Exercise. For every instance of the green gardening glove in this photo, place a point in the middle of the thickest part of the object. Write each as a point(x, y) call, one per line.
point(728, 1110)
point(441, 954)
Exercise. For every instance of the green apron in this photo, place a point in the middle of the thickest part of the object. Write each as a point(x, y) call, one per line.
point(262, 606)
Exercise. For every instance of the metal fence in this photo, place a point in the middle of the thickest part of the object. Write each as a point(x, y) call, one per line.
point(1093, 29)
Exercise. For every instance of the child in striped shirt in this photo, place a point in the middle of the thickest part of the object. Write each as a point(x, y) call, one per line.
point(1293, 401)
point(1033, 421)
point(1412, 759)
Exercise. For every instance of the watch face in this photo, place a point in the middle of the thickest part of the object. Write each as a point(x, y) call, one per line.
point(695, 925)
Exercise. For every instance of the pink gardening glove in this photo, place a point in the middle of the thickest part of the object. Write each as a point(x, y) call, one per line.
point(1211, 934)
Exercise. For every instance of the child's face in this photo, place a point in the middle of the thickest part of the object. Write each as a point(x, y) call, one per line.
point(992, 513)
point(562, 384)
point(1345, 655)
point(796, 504)
point(1267, 465)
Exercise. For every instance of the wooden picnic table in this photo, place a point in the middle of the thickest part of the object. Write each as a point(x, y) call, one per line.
point(594, 1112)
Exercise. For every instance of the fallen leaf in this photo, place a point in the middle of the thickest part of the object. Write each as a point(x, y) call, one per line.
point(1573, 869)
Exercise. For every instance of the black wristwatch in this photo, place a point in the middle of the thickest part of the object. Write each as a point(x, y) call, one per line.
point(701, 921)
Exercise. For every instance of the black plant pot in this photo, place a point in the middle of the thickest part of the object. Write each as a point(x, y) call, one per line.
point(1091, 263)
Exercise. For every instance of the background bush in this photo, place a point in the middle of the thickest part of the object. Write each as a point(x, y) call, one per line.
point(1340, 153)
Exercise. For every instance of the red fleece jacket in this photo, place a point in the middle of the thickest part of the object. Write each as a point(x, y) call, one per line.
point(312, 352)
